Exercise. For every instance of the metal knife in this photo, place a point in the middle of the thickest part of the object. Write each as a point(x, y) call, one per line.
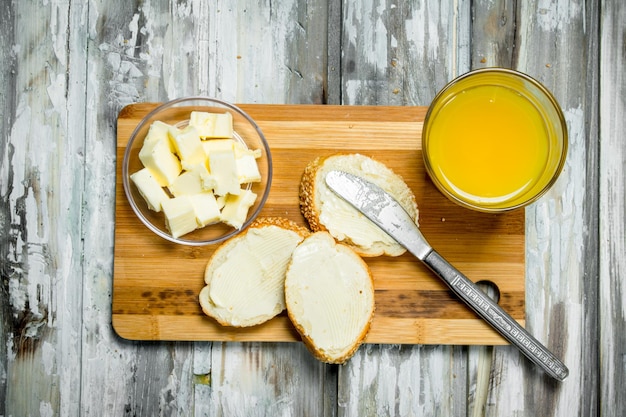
point(382, 209)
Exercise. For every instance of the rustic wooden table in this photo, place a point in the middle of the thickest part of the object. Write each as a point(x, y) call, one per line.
point(67, 68)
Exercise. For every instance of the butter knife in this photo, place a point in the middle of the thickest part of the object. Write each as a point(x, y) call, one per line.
point(382, 209)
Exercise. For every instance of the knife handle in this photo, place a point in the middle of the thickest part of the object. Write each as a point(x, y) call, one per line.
point(493, 314)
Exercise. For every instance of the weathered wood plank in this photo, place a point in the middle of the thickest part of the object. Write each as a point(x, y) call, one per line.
point(127, 59)
point(493, 33)
point(399, 54)
point(590, 352)
point(612, 239)
point(492, 42)
point(260, 35)
point(402, 53)
point(149, 52)
point(8, 63)
point(561, 255)
point(267, 52)
point(41, 242)
point(551, 246)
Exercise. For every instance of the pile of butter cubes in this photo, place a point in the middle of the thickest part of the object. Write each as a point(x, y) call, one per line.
point(197, 175)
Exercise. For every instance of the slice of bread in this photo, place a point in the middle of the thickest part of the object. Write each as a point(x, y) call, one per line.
point(245, 277)
point(325, 211)
point(329, 293)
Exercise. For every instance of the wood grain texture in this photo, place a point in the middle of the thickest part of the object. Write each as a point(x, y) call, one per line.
point(264, 52)
point(7, 79)
point(556, 225)
point(156, 283)
point(126, 63)
point(41, 216)
point(493, 33)
point(155, 51)
point(492, 43)
point(612, 230)
point(402, 56)
point(560, 293)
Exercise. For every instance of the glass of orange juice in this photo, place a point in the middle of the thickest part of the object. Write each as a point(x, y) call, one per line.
point(494, 139)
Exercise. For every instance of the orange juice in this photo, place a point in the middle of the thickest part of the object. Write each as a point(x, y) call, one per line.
point(490, 144)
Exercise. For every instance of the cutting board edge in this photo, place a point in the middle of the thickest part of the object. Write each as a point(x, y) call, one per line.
point(123, 327)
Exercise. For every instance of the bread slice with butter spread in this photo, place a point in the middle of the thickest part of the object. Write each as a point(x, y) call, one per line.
point(245, 277)
point(325, 211)
point(329, 294)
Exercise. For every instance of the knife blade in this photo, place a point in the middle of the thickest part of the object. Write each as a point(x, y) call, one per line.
point(385, 211)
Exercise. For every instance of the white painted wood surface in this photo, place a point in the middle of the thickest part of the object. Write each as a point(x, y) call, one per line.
point(66, 70)
point(612, 215)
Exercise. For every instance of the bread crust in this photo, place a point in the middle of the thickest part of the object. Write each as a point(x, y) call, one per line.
point(307, 193)
point(282, 222)
point(259, 223)
point(307, 339)
point(310, 204)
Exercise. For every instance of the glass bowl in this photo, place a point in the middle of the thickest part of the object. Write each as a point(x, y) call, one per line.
point(494, 140)
point(177, 113)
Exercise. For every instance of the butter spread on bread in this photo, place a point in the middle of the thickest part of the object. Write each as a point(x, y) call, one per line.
point(325, 211)
point(245, 277)
point(330, 297)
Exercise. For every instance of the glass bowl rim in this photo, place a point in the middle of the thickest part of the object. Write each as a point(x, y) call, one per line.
point(553, 102)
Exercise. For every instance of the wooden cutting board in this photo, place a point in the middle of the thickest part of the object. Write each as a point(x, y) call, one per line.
point(156, 283)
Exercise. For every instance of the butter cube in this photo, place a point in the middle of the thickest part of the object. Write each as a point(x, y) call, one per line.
point(156, 155)
point(150, 189)
point(212, 125)
point(158, 131)
point(207, 181)
point(187, 183)
point(247, 169)
point(213, 145)
point(223, 168)
point(180, 217)
point(241, 150)
point(188, 146)
point(205, 207)
point(223, 126)
point(235, 210)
